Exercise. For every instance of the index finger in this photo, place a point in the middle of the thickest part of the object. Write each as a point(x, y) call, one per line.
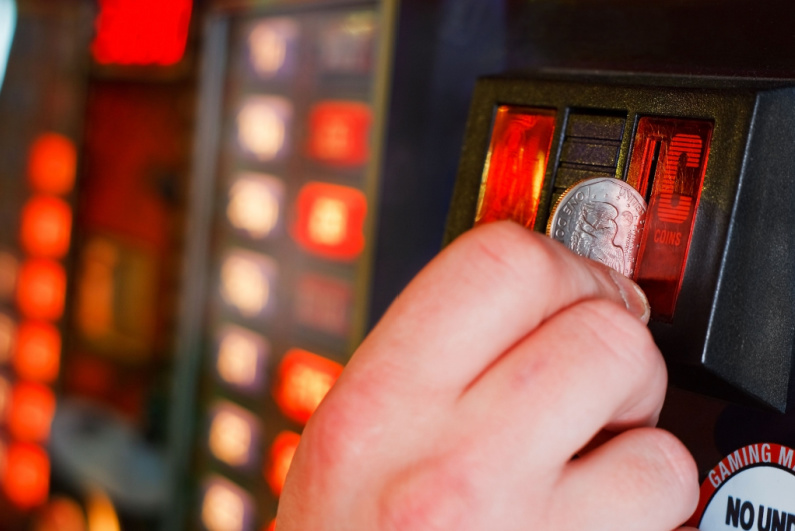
point(480, 296)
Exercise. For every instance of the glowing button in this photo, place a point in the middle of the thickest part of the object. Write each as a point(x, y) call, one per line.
point(26, 479)
point(46, 227)
point(330, 220)
point(241, 357)
point(270, 45)
point(281, 457)
point(38, 351)
point(41, 289)
point(232, 435)
point(338, 132)
point(225, 507)
point(246, 282)
point(262, 126)
point(52, 164)
point(31, 412)
point(303, 381)
point(255, 204)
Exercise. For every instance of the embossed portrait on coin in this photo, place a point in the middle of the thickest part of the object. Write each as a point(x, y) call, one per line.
point(595, 233)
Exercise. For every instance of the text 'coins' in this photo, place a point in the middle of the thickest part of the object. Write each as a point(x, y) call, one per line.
point(601, 219)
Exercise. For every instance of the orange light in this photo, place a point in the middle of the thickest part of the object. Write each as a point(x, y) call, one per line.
point(330, 220)
point(31, 412)
point(271, 526)
point(339, 132)
point(101, 513)
point(515, 167)
point(26, 480)
point(8, 332)
point(5, 397)
point(61, 514)
point(52, 164)
point(141, 32)
point(46, 227)
point(38, 351)
point(667, 166)
point(281, 457)
point(232, 436)
point(303, 381)
point(41, 289)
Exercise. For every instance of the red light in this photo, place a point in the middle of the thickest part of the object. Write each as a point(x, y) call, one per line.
point(46, 227)
point(302, 382)
point(38, 351)
point(281, 457)
point(330, 220)
point(515, 167)
point(41, 289)
point(31, 412)
point(141, 32)
point(668, 162)
point(52, 164)
point(26, 479)
point(338, 132)
point(271, 526)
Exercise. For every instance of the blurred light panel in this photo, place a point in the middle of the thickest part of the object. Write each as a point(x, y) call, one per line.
point(26, 478)
point(225, 507)
point(141, 32)
point(303, 381)
point(241, 357)
point(255, 204)
point(31, 411)
point(38, 351)
point(46, 227)
point(246, 282)
point(101, 513)
point(52, 164)
point(41, 289)
point(280, 458)
point(324, 303)
point(262, 126)
point(9, 265)
point(61, 514)
point(233, 435)
point(347, 43)
point(5, 397)
point(330, 220)
point(339, 132)
point(8, 332)
point(271, 46)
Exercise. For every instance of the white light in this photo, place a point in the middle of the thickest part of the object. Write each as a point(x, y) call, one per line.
point(328, 221)
point(268, 45)
point(244, 283)
point(239, 357)
point(223, 509)
point(254, 204)
point(262, 126)
point(230, 437)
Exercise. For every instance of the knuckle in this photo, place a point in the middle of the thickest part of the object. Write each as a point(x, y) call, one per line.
point(674, 459)
point(330, 436)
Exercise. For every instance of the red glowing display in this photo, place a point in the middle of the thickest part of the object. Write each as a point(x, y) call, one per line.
point(38, 351)
point(41, 289)
point(281, 457)
point(339, 132)
point(667, 166)
point(302, 382)
point(514, 174)
point(46, 227)
point(26, 478)
point(330, 220)
point(31, 412)
point(52, 164)
point(141, 32)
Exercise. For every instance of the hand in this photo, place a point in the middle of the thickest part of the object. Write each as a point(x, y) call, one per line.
point(463, 409)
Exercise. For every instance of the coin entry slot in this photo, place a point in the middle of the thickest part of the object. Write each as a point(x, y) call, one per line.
point(667, 165)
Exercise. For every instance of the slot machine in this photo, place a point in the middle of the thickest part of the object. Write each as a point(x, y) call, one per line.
point(656, 138)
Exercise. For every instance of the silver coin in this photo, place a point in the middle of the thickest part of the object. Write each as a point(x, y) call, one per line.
point(602, 219)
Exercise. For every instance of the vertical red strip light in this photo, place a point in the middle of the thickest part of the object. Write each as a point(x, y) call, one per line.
point(667, 166)
point(516, 164)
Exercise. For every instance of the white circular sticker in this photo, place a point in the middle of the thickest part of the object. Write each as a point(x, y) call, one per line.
point(752, 488)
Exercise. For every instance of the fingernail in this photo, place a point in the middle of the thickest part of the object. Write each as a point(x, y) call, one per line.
point(634, 298)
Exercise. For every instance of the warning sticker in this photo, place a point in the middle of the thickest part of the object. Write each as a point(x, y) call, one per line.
point(751, 488)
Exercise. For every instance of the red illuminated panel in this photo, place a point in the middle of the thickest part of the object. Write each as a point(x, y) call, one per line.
point(302, 382)
point(38, 351)
point(271, 526)
point(141, 32)
point(330, 220)
point(52, 164)
point(41, 289)
point(280, 459)
point(26, 478)
point(515, 167)
point(31, 412)
point(339, 132)
point(667, 166)
point(46, 227)
point(324, 304)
